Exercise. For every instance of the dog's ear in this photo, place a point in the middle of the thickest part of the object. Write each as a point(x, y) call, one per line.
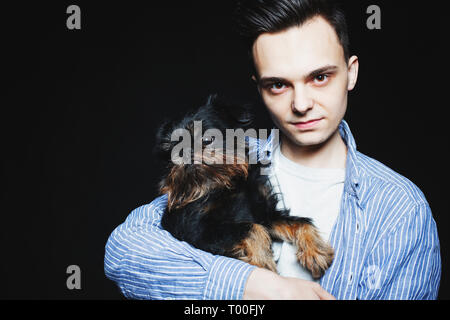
point(210, 101)
point(239, 114)
point(163, 145)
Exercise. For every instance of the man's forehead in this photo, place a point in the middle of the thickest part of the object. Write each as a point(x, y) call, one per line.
point(298, 49)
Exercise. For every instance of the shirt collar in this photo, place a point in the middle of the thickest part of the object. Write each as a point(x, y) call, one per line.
point(352, 176)
point(352, 172)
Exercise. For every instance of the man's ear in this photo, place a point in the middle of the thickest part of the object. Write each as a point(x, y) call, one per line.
point(353, 69)
point(256, 83)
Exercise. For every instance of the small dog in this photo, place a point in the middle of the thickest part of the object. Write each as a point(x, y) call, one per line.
point(230, 209)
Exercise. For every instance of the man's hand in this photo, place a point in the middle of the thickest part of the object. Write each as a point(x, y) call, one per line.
point(263, 284)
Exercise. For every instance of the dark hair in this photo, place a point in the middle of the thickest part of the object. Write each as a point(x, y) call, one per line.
point(255, 17)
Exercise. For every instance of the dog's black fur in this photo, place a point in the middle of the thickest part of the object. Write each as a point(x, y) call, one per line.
point(235, 210)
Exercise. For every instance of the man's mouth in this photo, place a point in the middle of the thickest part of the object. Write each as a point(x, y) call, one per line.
point(307, 125)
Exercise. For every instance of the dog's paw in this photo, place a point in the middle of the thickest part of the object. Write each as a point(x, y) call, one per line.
point(313, 252)
point(256, 249)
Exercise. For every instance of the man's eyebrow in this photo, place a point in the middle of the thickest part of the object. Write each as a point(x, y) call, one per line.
point(318, 72)
point(269, 80)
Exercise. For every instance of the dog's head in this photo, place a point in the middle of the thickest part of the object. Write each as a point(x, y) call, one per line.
point(204, 150)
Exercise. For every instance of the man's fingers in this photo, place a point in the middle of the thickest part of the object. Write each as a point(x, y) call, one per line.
point(323, 295)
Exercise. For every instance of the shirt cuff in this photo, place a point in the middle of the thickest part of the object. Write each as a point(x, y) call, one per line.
point(227, 279)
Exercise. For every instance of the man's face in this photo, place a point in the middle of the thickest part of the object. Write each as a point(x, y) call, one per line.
point(304, 80)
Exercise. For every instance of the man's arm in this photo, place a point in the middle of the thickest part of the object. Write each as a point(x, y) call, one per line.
point(146, 262)
point(406, 264)
point(263, 284)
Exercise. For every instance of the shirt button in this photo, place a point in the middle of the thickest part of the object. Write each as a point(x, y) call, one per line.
point(350, 279)
point(357, 227)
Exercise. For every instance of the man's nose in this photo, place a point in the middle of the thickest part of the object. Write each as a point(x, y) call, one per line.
point(302, 101)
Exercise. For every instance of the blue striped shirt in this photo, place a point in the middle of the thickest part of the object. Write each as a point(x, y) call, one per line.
point(385, 240)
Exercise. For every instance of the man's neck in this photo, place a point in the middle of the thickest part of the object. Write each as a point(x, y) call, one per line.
point(331, 154)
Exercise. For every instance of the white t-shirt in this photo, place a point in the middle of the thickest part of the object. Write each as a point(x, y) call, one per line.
point(307, 192)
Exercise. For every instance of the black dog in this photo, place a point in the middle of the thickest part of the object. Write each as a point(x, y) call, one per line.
point(229, 209)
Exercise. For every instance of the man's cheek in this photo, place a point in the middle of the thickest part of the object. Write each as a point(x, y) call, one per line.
point(332, 101)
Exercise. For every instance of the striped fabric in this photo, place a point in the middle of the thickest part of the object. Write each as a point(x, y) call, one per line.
point(385, 240)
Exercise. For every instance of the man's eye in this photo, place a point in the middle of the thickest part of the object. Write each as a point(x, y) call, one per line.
point(321, 78)
point(278, 86)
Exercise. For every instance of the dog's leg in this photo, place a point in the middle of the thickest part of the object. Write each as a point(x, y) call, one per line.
point(256, 248)
point(312, 251)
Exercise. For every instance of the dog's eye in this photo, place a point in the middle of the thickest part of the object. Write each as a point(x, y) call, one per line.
point(208, 140)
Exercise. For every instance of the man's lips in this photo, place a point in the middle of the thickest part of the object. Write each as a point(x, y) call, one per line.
point(304, 125)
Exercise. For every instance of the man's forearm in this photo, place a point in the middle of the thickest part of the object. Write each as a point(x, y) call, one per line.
point(146, 262)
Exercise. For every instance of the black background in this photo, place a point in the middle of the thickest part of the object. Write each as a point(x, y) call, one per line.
point(80, 109)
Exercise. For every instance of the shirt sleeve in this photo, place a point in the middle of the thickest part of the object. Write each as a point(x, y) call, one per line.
point(406, 264)
point(146, 262)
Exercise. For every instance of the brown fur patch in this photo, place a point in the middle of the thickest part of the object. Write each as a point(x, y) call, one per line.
point(185, 186)
point(312, 251)
point(256, 249)
point(179, 192)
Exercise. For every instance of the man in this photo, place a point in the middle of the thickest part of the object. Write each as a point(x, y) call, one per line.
point(379, 223)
